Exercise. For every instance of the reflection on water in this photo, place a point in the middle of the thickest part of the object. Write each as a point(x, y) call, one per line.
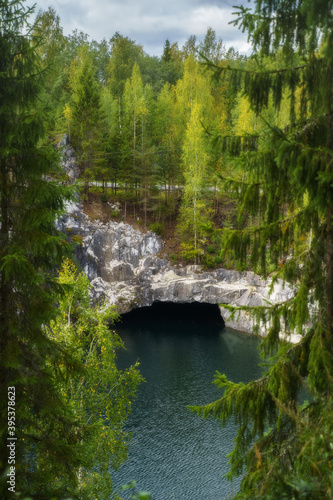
point(175, 454)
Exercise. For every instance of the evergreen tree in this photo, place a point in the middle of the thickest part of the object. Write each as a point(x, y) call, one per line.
point(287, 182)
point(54, 59)
point(171, 64)
point(30, 249)
point(165, 134)
point(113, 139)
point(147, 152)
point(166, 56)
point(88, 122)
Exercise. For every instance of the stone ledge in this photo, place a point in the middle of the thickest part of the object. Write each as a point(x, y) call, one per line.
point(123, 267)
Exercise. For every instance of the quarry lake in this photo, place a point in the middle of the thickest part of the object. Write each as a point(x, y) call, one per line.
point(175, 454)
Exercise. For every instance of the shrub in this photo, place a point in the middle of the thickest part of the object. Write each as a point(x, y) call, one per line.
point(190, 253)
point(157, 228)
point(211, 249)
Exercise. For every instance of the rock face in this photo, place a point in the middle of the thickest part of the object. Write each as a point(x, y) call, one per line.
point(124, 267)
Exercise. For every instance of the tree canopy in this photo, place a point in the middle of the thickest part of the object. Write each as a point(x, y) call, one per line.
point(46, 436)
point(286, 185)
point(236, 152)
point(30, 249)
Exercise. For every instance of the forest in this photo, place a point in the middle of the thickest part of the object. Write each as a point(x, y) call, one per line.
point(230, 159)
point(136, 124)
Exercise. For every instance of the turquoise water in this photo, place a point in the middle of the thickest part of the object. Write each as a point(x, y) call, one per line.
point(174, 453)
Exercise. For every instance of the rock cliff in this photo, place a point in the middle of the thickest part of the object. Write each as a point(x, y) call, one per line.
point(124, 267)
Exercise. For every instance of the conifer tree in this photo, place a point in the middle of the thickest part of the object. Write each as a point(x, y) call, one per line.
point(88, 122)
point(287, 182)
point(30, 249)
point(171, 64)
point(165, 134)
point(166, 56)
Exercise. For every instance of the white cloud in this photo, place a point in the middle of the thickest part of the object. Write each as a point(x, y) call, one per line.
point(212, 16)
point(148, 22)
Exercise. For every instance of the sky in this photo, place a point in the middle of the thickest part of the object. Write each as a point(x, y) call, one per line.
point(150, 22)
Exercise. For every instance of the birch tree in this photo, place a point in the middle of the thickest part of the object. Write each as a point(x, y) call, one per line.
point(135, 109)
point(194, 211)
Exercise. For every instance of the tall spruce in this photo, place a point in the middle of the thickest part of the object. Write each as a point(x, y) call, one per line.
point(30, 249)
point(88, 124)
point(287, 184)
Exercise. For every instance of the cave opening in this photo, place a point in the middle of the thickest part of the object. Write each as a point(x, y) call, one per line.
point(193, 312)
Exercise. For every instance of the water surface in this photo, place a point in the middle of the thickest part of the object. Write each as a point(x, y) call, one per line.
point(174, 453)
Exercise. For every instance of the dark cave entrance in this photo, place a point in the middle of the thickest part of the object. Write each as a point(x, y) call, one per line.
point(193, 312)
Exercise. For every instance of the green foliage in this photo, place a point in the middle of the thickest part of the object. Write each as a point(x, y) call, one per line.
point(211, 249)
point(136, 495)
point(193, 87)
point(88, 99)
point(194, 213)
point(190, 253)
point(124, 54)
point(135, 110)
point(101, 395)
point(157, 228)
point(164, 128)
point(144, 123)
point(282, 183)
point(211, 49)
point(68, 414)
point(30, 250)
point(86, 118)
